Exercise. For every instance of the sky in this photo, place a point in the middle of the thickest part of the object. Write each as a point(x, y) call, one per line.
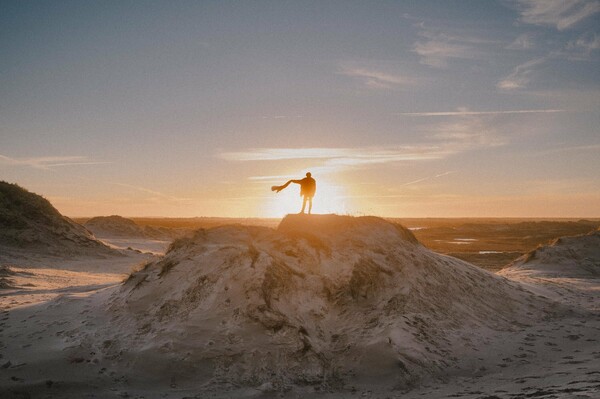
point(398, 108)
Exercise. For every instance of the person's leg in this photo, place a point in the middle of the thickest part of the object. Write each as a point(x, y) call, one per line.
point(309, 205)
point(303, 204)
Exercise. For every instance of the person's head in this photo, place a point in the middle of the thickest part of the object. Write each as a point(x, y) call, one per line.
point(308, 174)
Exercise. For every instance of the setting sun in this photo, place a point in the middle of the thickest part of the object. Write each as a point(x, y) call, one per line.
point(329, 198)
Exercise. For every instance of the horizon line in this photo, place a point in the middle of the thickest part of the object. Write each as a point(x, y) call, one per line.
point(315, 214)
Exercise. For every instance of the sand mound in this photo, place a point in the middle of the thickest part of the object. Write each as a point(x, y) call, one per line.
point(569, 257)
point(120, 227)
point(327, 299)
point(30, 224)
point(114, 226)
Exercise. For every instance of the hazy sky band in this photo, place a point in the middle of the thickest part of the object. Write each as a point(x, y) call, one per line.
point(466, 113)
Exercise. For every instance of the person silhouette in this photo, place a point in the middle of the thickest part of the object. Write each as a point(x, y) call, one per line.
point(308, 187)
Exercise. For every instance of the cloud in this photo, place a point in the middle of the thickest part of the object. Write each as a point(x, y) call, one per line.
point(272, 177)
point(521, 75)
point(467, 113)
point(438, 47)
point(157, 195)
point(427, 178)
point(282, 117)
point(582, 48)
point(340, 156)
point(436, 34)
point(589, 43)
point(436, 53)
point(562, 14)
point(589, 147)
point(47, 163)
point(522, 42)
point(578, 50)
point(376, 78)
point(466, 134)
point(441, 141)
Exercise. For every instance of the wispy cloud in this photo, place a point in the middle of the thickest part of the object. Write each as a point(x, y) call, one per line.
point(47, 163)
point(427, 178)
point(589, 147)
point(322, 170)
point(576, 50)
point(437, 47)
point(272, 177)
point(339, 156)
point(562, 14)
point(467, 112)
point(282, 117)
point(521, 75)
point(467, 133)
point(582, 48)
point(156, 195)
point(441, 141)
point(436, 53)
point(453, 35)
point(376, 78)
point(522, 42)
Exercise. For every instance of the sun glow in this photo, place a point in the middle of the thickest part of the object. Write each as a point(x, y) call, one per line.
point(329, 198)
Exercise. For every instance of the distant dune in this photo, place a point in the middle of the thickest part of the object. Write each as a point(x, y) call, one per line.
point(114, 226)
point(120, 227)
point(566, 257)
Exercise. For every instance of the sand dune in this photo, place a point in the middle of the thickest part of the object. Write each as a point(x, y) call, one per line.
point(120, 227)
point(567, 257)
point(122, 233)
point(339, 297)
point(32, 229)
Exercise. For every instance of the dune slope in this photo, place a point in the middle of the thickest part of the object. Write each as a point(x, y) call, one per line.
point(567, 257)
point(325, 298)
point(30, 225)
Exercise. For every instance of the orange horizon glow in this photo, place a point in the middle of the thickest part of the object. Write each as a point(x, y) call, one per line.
point(257, 201)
